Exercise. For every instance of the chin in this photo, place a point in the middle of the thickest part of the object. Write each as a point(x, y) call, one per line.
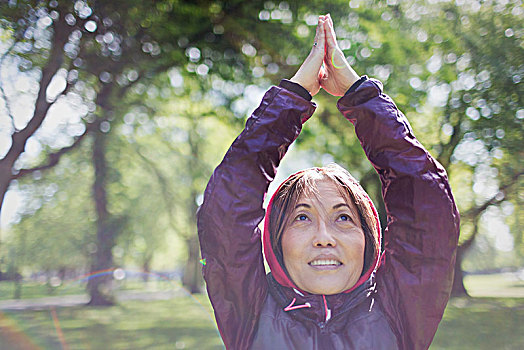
point(326, 290)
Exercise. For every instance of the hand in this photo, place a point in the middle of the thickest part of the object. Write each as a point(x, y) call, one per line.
point(338, 76)
point(311, 72)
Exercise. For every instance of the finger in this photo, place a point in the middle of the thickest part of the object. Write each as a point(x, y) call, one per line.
point(330, 32)
point(320, 27)
point(330, 40)
point(320, 40)
point(322, 34)
point(330, 44)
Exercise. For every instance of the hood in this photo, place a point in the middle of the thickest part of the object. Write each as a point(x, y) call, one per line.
point(278, 271)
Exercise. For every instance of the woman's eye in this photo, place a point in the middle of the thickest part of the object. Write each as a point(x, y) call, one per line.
point(301, 217)
point(344, 217)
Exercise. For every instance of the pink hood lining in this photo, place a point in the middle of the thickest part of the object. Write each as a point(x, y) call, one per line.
point(278, 271)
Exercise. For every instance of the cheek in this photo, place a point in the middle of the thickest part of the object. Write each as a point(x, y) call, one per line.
point(290, 244)
point(294, 246)
point(360, 248)
point(355, 244)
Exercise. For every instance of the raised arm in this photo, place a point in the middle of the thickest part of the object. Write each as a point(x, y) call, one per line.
point(421, 237)
point(232, 209)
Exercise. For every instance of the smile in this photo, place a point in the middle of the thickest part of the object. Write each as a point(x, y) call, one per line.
point(330, 262)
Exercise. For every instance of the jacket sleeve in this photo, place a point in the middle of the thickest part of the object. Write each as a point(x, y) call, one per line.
point(228, 219)
point(415, 278)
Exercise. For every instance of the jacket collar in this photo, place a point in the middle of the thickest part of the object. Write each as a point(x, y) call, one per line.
point(319, 308)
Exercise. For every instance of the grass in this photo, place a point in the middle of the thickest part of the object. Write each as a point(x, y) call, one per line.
point(492, 319)
point(497, 285)
point(32, 290)
point(482, 323)
point(486, 321)
point(179, 323)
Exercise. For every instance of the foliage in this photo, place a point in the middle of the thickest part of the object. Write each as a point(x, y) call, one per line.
point(455, 70)
point(56, 228)
point(173, 82)
point(168, 157)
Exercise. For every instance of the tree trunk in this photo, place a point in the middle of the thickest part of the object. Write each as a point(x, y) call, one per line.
point(146, 266)
point(458, 289)
point(18, 286)
point(19, 137)
point(99, 287)
point(192, 279)
point(6, 171)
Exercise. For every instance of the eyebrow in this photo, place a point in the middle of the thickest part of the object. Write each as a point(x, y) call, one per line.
point(336, 206)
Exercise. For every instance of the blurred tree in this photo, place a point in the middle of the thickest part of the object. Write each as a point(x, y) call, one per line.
point(458, 89)
point(97, 50)
point(461, 91)
point(177, 148)
point(55, 231)
point(481, 129)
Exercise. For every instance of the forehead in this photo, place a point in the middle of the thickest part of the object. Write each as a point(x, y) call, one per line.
point(326, 191)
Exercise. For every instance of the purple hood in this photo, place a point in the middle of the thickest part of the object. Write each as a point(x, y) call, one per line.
point(278, 271)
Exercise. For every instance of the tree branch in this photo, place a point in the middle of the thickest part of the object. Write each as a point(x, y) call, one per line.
point(68, 86)
point(446, 151)
point(54, 158)
point(167, 194)
point(474, 212)
point(468, 242)
point(2, 91)
point(19, 138)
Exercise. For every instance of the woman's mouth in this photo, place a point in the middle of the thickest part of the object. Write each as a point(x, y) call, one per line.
point(325, 264)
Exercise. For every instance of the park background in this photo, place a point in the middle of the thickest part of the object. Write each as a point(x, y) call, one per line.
point(113, 115)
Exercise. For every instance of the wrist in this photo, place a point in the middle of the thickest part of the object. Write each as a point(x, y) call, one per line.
point(298, 81)
point(356, 84)
point(296, 88)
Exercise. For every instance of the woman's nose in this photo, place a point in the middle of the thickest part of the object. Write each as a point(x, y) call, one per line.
point(323, 237)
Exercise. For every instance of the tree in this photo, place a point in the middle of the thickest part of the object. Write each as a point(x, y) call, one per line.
point(54, 232)
point(481, 116)
point(107, 55)
point(177, 146)
point(461, 92)
point(98, 50)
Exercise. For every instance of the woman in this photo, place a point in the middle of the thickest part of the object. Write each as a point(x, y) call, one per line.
point(330, 287)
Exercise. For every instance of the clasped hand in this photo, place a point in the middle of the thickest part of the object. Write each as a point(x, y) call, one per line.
point(326, 66)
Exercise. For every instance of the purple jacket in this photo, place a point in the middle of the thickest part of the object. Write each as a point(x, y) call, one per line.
point(402, 302)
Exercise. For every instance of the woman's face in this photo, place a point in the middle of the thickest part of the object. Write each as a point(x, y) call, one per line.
point(323, 245)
